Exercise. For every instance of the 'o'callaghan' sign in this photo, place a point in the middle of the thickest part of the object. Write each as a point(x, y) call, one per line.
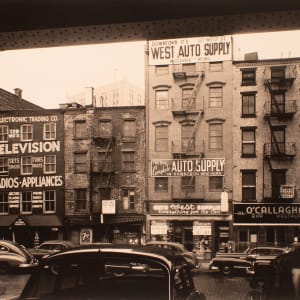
point(190, 50)
point(187, 167)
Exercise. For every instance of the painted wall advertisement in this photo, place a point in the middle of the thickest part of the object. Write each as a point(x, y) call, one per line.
point(187, 167)
point(190, 50)
point(266, 213)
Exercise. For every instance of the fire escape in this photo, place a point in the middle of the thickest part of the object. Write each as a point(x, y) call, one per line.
point(279, 152)
point(190, 112)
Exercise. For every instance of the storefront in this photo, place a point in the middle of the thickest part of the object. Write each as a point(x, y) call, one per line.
point(201, 227)
point(266, 224)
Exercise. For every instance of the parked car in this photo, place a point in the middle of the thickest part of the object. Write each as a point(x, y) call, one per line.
point(178, 248)
point(15, 257)
point(50, 247)
point(227, 262)
point(86, 273)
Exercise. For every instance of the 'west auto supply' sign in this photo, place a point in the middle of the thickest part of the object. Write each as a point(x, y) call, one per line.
point(190, 50)
point(187, 167)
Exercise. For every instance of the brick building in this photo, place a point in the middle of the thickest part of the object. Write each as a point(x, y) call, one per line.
point(31, 174)
point(189, 145)
point(105, 173)
point(266, 163)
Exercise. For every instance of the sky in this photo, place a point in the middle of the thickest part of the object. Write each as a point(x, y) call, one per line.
point(48, 76)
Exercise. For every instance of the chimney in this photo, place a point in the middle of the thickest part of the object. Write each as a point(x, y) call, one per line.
point(18, 93)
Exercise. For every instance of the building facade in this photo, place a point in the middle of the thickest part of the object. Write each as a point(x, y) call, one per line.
point(266, 164)
point(105, 173)
point(189, 145)
point(31, 175)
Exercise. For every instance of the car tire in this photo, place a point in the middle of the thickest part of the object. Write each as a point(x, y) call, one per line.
point(4, 268)
point(226, 270)
point(118, 274)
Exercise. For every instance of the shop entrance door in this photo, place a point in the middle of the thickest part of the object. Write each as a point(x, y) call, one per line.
point(187, 237)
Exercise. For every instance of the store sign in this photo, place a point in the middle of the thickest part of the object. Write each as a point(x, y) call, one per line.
point(159, 228)
point(187, 167)
point(27, 119)
point(190, 50)
point(86, 235)
point(185, 209)
point(200, 228)
point(30, 182)
point(266, 213)
point(108, 206)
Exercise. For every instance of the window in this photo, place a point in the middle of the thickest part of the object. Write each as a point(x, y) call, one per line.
point(3, 166)
point(161, 184)
point(215, 136)
point(128, 161)
point(104, 162)
point(129, 128)
point(3, 202)
point(188, 142)
point(49, 131)
point(216, 66)
point(248, 185)
point(128, 198)
point(26, 202)
point(161, 138)
point(248, 104)
point(26, 132)
point(26, 165)
point(189, 67)
point(187, 101)
point(215, 96)
point(49, 164)
point(80, 162)
point(188, 184)
point(80, 129)
point(249, 77)
point(277, 73)
point(162, 99)
point(162, 70)
point(80, 199)
point(216, 183)
point(3, 133)
point(243, 236)
point(105, 128)
point(248, 142)
point(49, 201)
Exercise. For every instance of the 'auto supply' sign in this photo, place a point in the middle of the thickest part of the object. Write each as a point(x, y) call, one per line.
point(190, 50)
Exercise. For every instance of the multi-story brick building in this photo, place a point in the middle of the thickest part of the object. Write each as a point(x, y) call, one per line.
point(189, 145)
point(265, 157)
point(105, 173)
point(31, 174)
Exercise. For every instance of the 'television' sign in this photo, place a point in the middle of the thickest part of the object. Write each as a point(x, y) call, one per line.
point(187, 167)
point(190, 50)
point(266, 213)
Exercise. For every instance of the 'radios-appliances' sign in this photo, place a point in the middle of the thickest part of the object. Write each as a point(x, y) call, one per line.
point(187, 167)
point(190, 50)
point(266, 213)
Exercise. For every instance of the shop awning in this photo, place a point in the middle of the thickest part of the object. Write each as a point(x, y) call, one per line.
point(30, 220)
point(8, 220)
point(124, 219)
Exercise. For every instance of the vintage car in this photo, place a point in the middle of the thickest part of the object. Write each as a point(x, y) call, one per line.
point(227, 262)
point(15, 257)
point(87, 273)
point(50, 247)
point(178, 248)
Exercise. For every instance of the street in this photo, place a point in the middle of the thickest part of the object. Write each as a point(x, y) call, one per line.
point(214, 285)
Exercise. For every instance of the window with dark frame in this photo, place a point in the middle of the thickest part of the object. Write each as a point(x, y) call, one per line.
point(3, 202)
point(277, 73)
point(3, 133)
point(129, 128)
point(26, 202)
point(26, 132)
point(80, 199)
point(80, 162)
point(26, 165)
point(249, 77)
point(162, 70)
point(3, 166)
point(49, 201)
point(189, 67)
point(216, 136)
point(216, 66)
point(161, 184)
point(188, 184)
point(80, 129)
point(187, 101)
point(50, 164)
point(128, 198)
point(248, 142)
point(216, 183)
point(161, 138)
point(105, 128)
point(49, 131)
point(248, 185)
point(248, 104)
point(187, 140)
point(128, 161)
point(216, 96)
point(162, 99)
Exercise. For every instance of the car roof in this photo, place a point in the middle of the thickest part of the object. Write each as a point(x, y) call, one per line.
point(64, 242)
point(166, 243)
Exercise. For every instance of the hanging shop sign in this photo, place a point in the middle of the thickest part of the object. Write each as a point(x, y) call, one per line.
point(187, 167)
point(159, 228)
point(200, 228)
point(86, 235)
point(190, 50)
point(185, 209)
point(266, 213)
point(108, 206)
